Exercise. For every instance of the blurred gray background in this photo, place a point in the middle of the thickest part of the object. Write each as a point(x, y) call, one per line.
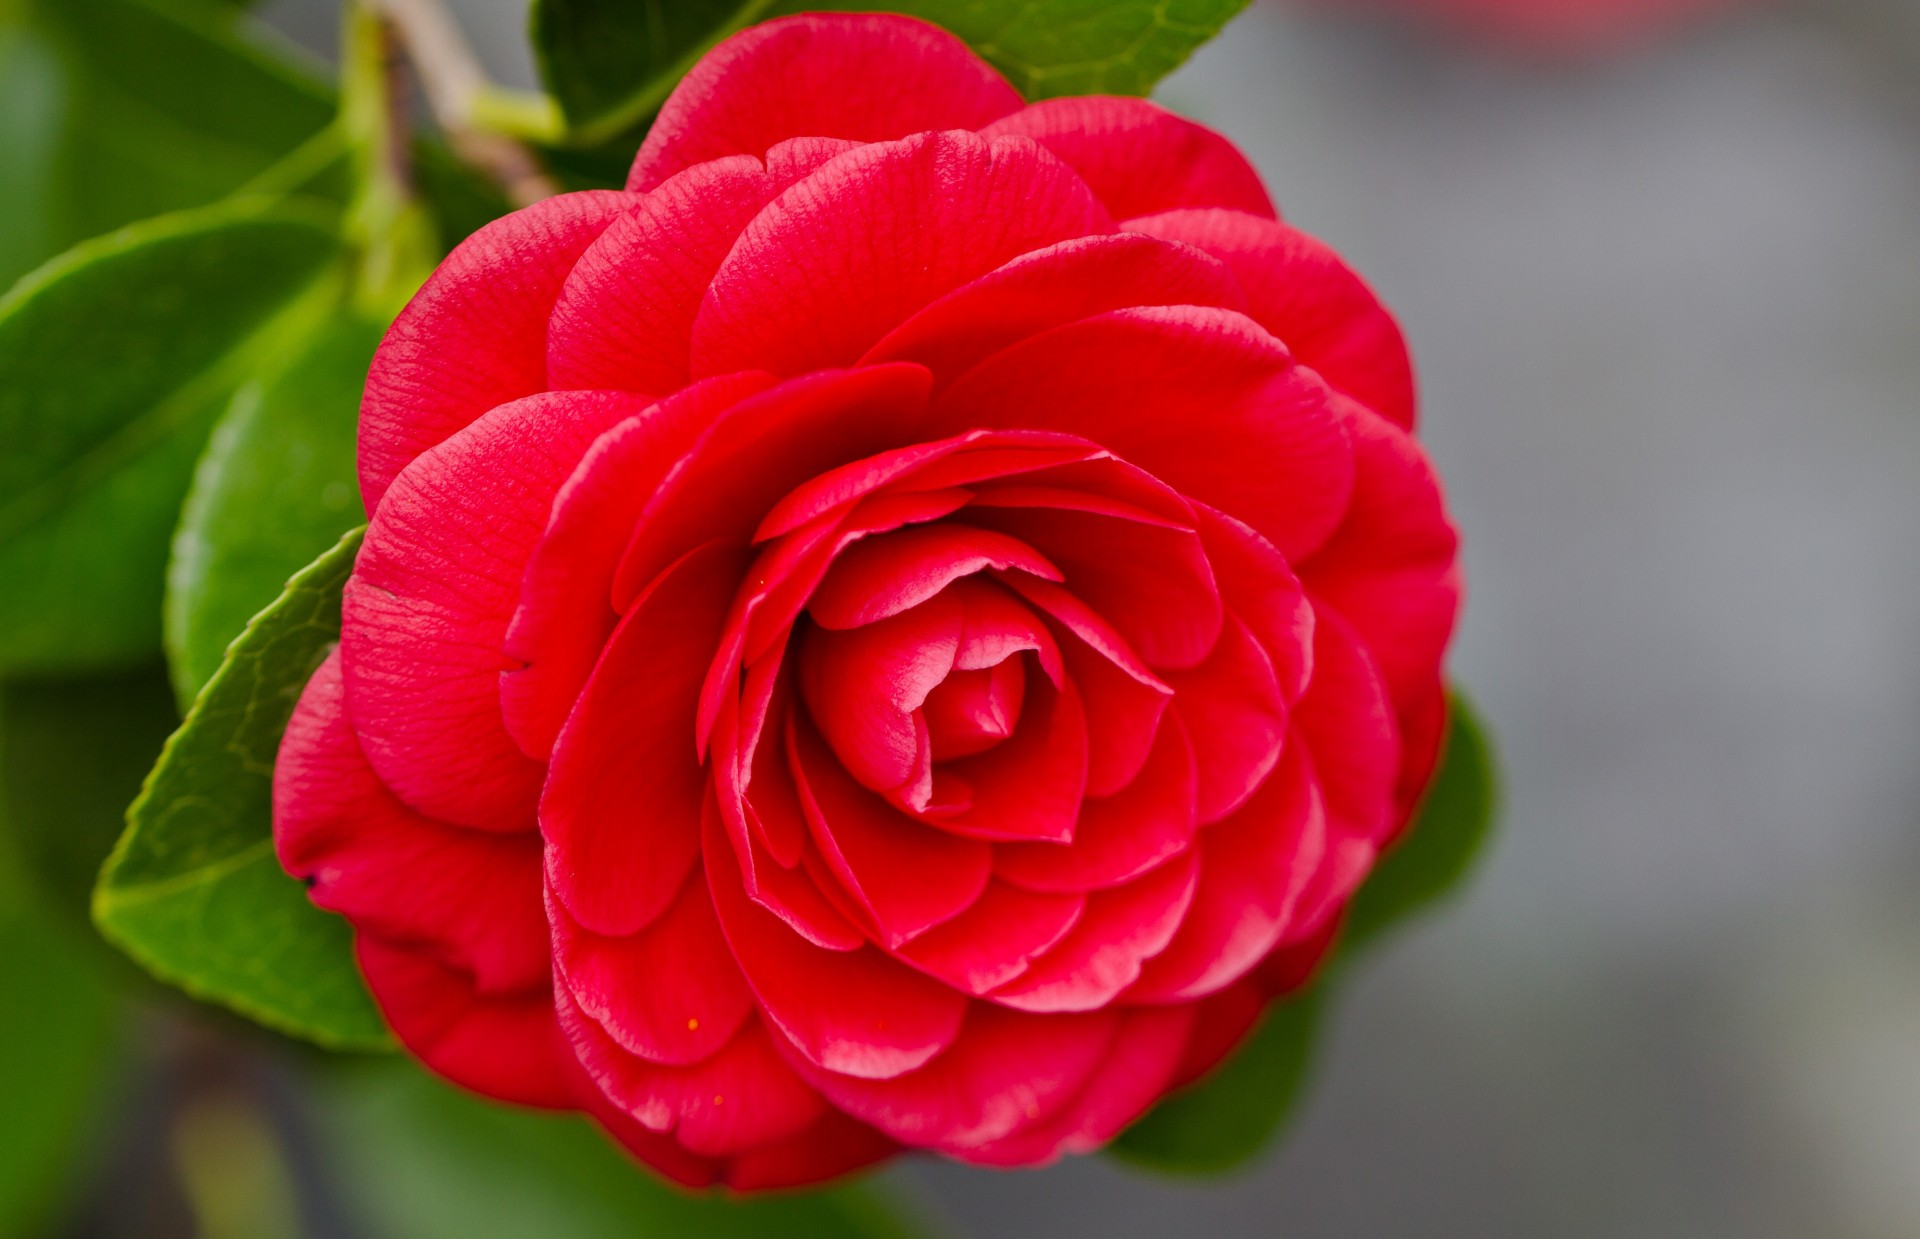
point(1666, 307)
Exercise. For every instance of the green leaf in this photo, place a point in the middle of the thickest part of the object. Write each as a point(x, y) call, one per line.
point(275, 489)
point(193, 891)
point(115, 360)
point(611, 63)
point(72, 754)
point(1454, 823)
point(58, 1063)
point(1228, 1117)
point(416, 1159)
point(114, 110)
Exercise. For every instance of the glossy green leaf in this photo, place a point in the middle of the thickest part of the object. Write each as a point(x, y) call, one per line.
point(72, 755)
point(416, 1159)
point(115, 360)
point(1232, 1114)
point(61, 1042)
point(114, 110)
point(1227, 1118)
point(193, 890)
point(611, 63)
point(275, 488)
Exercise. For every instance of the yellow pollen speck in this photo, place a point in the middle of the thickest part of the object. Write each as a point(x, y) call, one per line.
point(693, 1025)
point(718, 1100)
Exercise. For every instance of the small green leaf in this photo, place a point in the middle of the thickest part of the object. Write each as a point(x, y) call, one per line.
point(1452, 829)
point(1231, 1115)
point(275, 489)
point(611, 63)
point(416, 1159)
point(114, 361)
point(193, 891)
point(114, 110)
point(60, 1049)
point(72, 754)
point(1228, 1117)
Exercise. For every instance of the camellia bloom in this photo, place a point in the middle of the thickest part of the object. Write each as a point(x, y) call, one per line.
point(902, 629)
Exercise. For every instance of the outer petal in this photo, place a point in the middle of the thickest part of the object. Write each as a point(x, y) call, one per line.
point(507, 1046)
point(1302, 291)
point(835, 1146)
point(853, 1013)
point(1122, 928)
point(1143, 1057)
point(669, 994)
point(1052, 287)
point(469, 899)
point(1139, 157)
point(1203, 399)
point(426, 611)
point(621, 810)
point(740, 1097)
point(870, 78)
point(994, 940)
point(846, 255)
point(1008, 1071)
point(475, 335)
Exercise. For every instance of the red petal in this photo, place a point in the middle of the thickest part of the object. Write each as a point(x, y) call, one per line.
point(1030, 787)
point(475, 335)
point(1119, 837)
point(426, 611)
point(1253, 867)
point(853, 1012)
point(1302, 291)
point(870, 78)
point(846, 255)
point(1143, 1057)
point(742, 1096)
point(992, 942)
point(1139, 157)
point(1346, 721)
point(906, 875)
point(506, 1046)
point(662, 1154)
point(1008, 1071)
point(1049, 288)
point(470, 899)
point(1122, 928)
point(566, 608)
point(1232, 706)
point(1259, 586)
point(1221, 1021)
point(835, 1146)
point(765, 446)
point(1390, 568)
point(884, 576)
point(1203, 399)
point(622, 807)
point(669, 994)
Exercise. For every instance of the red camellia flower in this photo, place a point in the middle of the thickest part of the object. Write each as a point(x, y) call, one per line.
point(902, 629)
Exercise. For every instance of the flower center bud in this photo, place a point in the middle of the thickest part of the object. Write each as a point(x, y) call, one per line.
point(971, 711)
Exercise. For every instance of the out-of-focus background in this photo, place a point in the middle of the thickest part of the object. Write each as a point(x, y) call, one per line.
point(1666, 304)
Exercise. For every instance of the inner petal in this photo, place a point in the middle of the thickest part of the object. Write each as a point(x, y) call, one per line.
point(971, 711)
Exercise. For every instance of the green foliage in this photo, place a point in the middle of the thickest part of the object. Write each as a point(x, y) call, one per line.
point(611, 63)
point(60, 1041)
point(114, 361)
point(1227, 1118)
point(275, 489)
point(193, 890)
point(113, 110)
point(419, 1160)
point(72, 754)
